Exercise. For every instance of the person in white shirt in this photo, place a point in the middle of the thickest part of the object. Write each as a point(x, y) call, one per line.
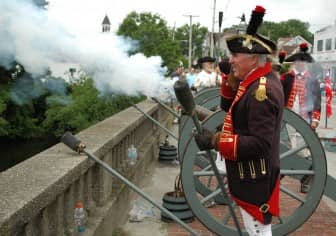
point(207, 77)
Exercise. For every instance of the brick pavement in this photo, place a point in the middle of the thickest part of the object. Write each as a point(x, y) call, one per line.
point(321, 223)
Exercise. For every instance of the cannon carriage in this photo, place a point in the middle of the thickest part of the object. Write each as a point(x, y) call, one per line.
point(302, 155)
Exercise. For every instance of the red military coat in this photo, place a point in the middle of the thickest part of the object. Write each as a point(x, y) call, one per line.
point(308, 91)
point(250, 143)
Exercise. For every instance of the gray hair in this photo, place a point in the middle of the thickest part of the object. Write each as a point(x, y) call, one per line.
point(262, 59)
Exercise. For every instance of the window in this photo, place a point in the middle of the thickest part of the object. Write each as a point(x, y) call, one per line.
point(328, 45)
point(319, 45)
point(335, 43)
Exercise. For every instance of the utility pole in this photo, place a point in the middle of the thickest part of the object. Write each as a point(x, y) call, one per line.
point(212, 31)
point(190, 39)
point(220, 19)
point(174, 31)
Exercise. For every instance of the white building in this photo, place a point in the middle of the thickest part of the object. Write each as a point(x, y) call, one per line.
point(325, 49)
point(291, 44)
point(106, 24)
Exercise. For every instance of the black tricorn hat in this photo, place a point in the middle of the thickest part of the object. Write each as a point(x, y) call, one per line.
point(225, 66)
point(277, 64)
point(302, 55)
point(205, 59)
point(281, 56)
point(252, 42)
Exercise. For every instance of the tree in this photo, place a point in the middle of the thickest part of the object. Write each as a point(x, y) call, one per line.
point(33, 107)
point(18, 103)
point(4, 97)
point(198, 36)
point(82, 107)
point(289, 28)
point(153, 36)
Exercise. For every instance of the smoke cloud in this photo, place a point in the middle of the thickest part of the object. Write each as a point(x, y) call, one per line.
point(32, 38)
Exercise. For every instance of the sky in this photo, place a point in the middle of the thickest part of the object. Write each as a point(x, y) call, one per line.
point(87, 15)
point(69, 34)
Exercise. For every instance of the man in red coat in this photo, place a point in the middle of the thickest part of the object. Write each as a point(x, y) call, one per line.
point(302, 95)
point(250, 138)
point(302, 90)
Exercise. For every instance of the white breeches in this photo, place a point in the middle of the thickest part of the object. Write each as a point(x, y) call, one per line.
point(254, 227)
point(220, 163)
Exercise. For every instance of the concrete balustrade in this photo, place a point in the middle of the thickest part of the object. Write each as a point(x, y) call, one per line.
point(38, 196)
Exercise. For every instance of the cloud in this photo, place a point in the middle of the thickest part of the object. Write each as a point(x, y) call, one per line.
point(38, 42)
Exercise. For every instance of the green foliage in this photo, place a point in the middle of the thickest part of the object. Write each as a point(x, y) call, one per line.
point(289, 28)
point(3, 107)
point(153, 36)
point(19, 99)
point(198, 36)
point(22, 122)
point(39, 107)
point(284, 68)
point(82, 108)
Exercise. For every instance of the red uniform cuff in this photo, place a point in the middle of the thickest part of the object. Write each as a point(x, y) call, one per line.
point(316, 115)
point(227, 146)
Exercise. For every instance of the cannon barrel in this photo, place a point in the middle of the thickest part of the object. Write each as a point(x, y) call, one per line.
point(186, 99)
point(202, 112)
point(75, 144)
point(72, 142)
point(184, 96)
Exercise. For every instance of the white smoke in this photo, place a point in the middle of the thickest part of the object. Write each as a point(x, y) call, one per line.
point(32, 38)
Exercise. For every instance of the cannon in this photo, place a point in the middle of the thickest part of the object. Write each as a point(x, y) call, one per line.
point(302, 155)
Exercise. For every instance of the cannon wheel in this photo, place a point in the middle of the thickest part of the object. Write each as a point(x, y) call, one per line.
point(201, 161)
point(293, 166)
point(205, 94)
point(207, 98)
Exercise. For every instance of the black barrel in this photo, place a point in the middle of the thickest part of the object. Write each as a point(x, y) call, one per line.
point(176, 203)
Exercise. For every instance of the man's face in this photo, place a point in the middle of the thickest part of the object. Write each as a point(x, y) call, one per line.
point(300, 66)
point(208, 66)
point(242, 64)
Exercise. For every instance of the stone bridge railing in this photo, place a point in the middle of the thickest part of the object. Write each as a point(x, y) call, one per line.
point(38, 196)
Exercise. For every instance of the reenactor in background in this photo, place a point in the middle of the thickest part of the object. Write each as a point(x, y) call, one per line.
point(302, 91)
point(208, 77)
point(250, 139)
point(191, 76)
point(277, 65)
point(302, 95)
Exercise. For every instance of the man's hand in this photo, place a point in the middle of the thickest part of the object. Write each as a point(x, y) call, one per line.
point(233, 82)
point(219, 128)
point(314, 124)
point(206, 140)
